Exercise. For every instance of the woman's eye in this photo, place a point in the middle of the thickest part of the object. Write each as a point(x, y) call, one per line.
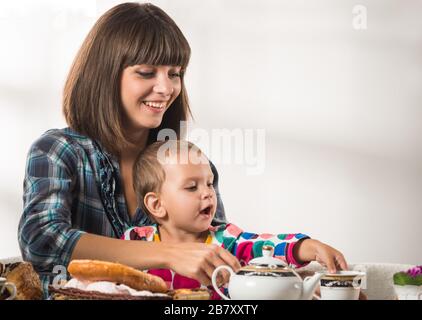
point(146, 74)
point(151, 74)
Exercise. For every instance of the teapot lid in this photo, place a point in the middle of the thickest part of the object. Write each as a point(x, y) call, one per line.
point(267, 259)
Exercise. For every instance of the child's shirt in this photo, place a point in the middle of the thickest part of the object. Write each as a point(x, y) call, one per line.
point(243, 245)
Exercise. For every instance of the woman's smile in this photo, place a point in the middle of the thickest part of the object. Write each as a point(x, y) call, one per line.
point(156, 107)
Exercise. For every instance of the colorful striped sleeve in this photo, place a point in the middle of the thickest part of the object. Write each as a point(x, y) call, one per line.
point(246, 245)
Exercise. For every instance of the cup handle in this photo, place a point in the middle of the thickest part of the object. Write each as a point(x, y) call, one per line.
point(12, 289)
point(214, 280)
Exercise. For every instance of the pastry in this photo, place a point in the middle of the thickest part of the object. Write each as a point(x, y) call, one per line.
point(101, 280)
point(26, 280)
point(94, 270)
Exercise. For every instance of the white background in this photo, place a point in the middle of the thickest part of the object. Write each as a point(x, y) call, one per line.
point(341, 108)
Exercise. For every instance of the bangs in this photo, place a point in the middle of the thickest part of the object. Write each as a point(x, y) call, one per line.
point(158, 43)
point(126, 35)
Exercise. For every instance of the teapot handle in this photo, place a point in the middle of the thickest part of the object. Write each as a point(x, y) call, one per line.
point(214, 280)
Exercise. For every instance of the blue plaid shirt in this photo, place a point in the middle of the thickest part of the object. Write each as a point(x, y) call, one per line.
point(73, 186)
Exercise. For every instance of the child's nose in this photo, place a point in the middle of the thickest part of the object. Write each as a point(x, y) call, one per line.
point(207, 194)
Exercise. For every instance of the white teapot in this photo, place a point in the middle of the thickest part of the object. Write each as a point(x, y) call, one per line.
point(267, 278)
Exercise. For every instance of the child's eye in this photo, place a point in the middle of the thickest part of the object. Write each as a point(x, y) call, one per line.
point(210, 184)
point(193, 188)
point(175, 75)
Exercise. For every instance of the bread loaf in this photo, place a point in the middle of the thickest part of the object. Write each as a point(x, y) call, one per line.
point(94, 270)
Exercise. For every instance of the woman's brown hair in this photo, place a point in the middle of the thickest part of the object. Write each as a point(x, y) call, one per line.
point(126, 35)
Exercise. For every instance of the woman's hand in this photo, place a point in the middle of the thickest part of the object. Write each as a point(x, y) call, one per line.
point(314, 250)
point(199, 260)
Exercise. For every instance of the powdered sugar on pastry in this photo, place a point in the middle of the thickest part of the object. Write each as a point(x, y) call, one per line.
point(108, 287)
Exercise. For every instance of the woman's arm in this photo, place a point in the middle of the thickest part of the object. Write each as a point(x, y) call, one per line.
point(45, 234)
point(137, 254)
point(193, 260)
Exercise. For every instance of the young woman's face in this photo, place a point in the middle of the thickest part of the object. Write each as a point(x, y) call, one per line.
point(147, 91)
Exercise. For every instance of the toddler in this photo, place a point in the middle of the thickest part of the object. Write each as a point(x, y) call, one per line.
point(173, 182)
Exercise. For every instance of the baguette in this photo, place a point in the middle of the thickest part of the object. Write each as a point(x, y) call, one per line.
point(95, 270)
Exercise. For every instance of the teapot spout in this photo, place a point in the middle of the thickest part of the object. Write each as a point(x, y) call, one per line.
point(309, 285)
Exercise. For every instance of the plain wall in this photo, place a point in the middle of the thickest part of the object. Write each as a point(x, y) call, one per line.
point(340, 108)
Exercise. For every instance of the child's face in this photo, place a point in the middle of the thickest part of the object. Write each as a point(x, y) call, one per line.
point(188, 195)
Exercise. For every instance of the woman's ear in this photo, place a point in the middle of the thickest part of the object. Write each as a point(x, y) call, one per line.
point(153, 203)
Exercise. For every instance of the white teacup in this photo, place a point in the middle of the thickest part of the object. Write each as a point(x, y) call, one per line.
point(4, 285)
point(344, 285)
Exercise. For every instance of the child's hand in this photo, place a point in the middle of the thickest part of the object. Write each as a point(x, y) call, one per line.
point(314, 250)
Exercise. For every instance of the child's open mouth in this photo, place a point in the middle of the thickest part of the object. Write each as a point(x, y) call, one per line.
point(206, 211)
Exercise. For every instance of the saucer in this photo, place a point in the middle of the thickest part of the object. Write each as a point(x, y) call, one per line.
point(343, 275)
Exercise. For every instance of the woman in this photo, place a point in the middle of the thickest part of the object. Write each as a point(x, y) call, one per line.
point(125, 84)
